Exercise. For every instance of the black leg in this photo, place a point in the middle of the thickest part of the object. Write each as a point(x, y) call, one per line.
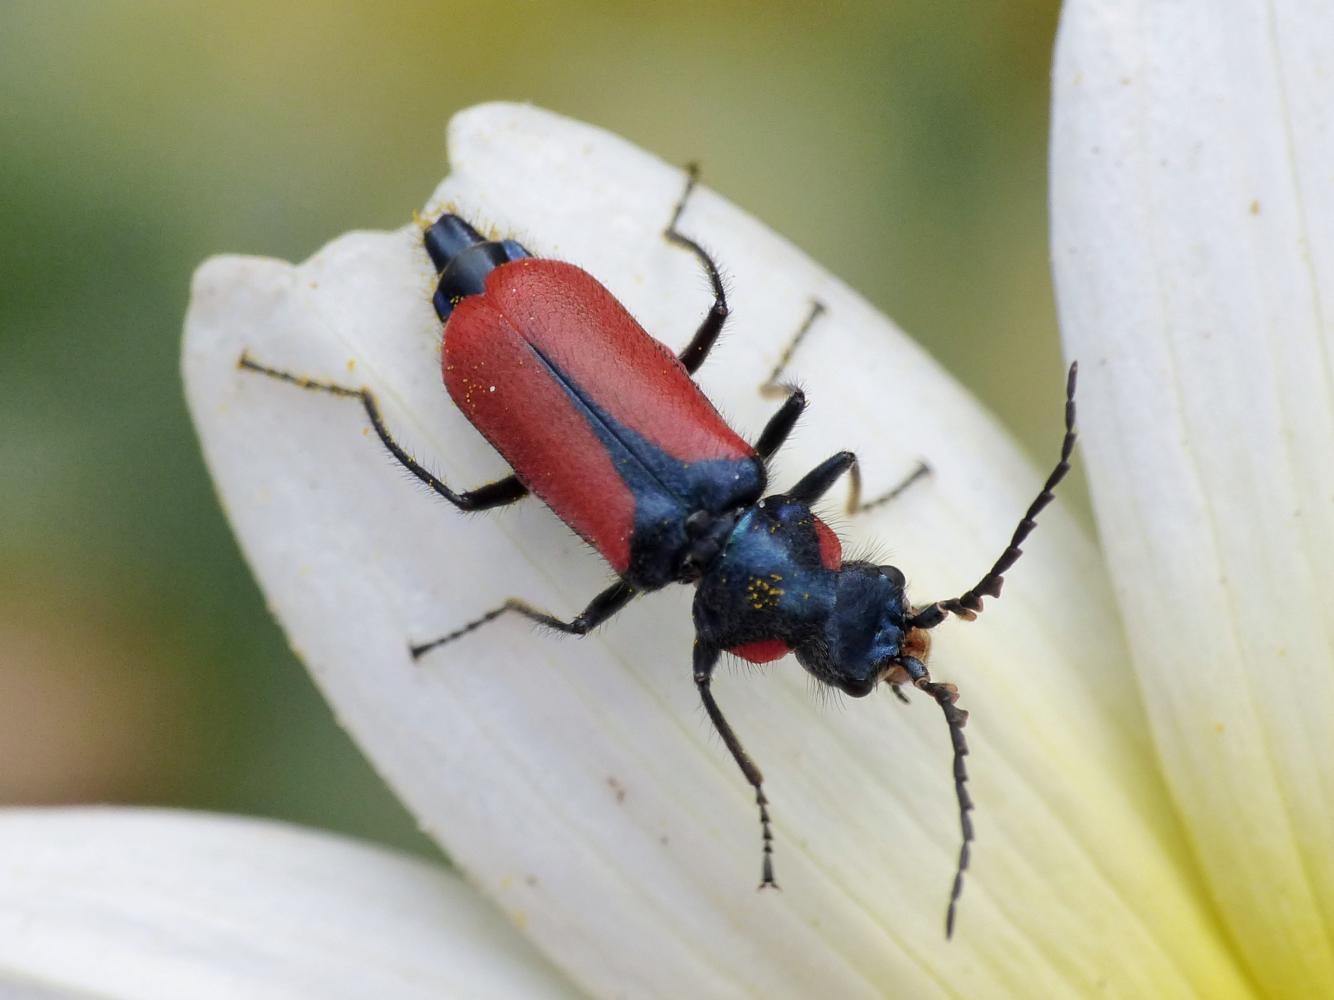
point(702, 342)
point(602, 607)
point(774, 384)
point(968, 605)
point(706, 657)
point(497, 494)
point(816, 483)
point(780, 425)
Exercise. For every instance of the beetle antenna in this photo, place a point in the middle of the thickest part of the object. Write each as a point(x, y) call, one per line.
point(968, 605)
point(946, 695)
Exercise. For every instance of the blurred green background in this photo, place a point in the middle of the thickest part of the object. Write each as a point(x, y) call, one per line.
point(902, 144)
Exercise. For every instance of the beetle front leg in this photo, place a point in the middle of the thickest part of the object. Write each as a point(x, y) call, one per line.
point(776, 384)
point(706, 658)
point(816, 483)
point(855, 503)
point(602, 607)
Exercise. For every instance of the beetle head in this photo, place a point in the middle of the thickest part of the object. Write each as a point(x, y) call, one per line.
point(866, 637)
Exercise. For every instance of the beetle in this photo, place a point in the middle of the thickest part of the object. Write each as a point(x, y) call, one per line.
point(605, 425)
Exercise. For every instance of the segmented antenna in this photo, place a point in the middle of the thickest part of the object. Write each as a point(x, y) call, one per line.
point(968, 605)
point(946, 695)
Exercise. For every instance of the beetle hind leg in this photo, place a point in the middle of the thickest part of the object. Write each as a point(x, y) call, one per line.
point(498, 494)
point(712, 325)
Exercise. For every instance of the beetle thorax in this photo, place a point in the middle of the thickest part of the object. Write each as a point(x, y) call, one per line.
point(768, 582)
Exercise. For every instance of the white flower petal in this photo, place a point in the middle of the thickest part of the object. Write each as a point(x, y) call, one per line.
point(152, 903)
point(1193, 233)
point(578, 781)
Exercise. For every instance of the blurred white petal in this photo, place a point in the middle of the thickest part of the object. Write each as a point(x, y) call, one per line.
point(577, 781)
point(149, 903)
point(1193, 235)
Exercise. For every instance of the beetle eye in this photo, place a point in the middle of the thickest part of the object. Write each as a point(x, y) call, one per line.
point(895, 575)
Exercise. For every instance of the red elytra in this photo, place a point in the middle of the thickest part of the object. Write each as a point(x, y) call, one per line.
point(511, 355)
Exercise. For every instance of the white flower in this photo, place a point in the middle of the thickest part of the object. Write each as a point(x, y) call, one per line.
point(159, 904)
point(576, 782)
point(1193, 240)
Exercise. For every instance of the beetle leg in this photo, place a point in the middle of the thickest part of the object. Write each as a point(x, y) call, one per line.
point(497, 494)
point(706, 657)
point(707, 334)
point(780, 425)
point(855, 502)
point(816, 483)
point(602, 607)
point(775, 384)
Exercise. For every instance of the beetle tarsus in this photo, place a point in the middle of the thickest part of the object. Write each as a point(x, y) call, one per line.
point(705, 659)
point(776, 384)
point(857, 506)
point(599, 609)
point(497, 494)
point(711, 326)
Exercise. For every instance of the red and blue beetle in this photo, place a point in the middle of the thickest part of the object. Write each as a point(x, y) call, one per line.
point(605, 425)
